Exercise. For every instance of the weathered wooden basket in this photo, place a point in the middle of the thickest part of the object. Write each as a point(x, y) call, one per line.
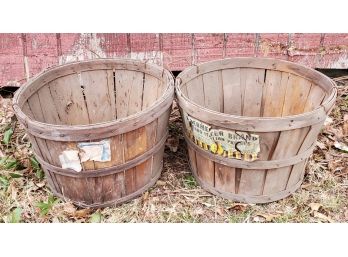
point(107, 117)
point(251, 124)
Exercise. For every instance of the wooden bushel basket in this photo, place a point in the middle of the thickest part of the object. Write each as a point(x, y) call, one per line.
point(118, 108)
point(251, 124)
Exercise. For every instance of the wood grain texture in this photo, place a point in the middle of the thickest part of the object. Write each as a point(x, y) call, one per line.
point(225, 178)
point(213, 91)
point(274, 93)
point(49, 110)
point(69, 100)
point(288, 145)
point(205, 169)
point(231, 91)
point(195, 90)
point(296, 95)
point(151, 85)
point(97, 94)
point(253, 89)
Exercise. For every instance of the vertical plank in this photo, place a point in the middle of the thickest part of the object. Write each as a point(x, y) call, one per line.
point(49, 111)
point(114, 185)
point(274, 93)
point(69, 101)
point(315, 98)
point(151, 85)
point(98, 98)
point(143, 173)
point(112, 92)
point(136, 94)
point(157, 162)
point(195, 90)
point(225, 178)
point(192, 158)
point(35, 107)
point(213, 91)
point(162, 125)
point(111, 185)
point(244, 72)
point(130, 183)
point(27, 111)
point(205, 168)
point(297, 171)
point(296, 95)
point(252, 181)
point(136, 144)
point(126, 83)
point(231, 91)
point(288, 145)
point(184, 90)
point(254, 82)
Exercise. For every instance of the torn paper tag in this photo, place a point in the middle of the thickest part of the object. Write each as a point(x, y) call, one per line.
point(70, 160)
point(95, 151)
point(227, 143)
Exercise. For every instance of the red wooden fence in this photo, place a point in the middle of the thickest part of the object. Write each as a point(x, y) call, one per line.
point(24, 55)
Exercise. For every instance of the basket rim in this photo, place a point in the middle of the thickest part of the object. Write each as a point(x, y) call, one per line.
point(217, 117)
point(167, 96)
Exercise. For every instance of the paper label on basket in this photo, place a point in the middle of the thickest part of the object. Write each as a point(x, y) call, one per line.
point(69, 159)
point(227, 143)
point(95, 151)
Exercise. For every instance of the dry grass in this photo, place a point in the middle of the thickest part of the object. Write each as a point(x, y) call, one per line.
point(176, 196)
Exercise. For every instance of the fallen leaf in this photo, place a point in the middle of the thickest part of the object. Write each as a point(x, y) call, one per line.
point(321, 145)
point(198, 211)
point(259, 219)
point(315, 206)
point(306, 186)
point(267, 217)
point(346, 214)
point(220, 211)
point(328, 121)
point(83, 213)
point(146, 196)
point(95, 218)
point(69, 208)
point(160, 183)
point(40, 184)
point(207, 204)
point(15, 216)
point(173, 143)
point(341, 146)
point(322, 217)
point(7, 136)
point(55, 220)
point(345, 125)
point(238, 206)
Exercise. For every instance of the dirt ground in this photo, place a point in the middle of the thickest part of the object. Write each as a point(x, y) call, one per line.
point(176, 197)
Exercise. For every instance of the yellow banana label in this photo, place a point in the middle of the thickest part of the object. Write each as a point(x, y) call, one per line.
point(227, 143)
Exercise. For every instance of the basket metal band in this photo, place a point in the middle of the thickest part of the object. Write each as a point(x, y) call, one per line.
point(271, 164)
point(104, 171)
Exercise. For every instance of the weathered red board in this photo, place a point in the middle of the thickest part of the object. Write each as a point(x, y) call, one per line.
point(24, 55)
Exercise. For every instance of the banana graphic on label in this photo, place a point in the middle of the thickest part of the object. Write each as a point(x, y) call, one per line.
point(213, 148)
point(220, 150)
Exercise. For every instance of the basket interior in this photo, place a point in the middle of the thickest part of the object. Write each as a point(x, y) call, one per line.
point(94, 96)
point(254, 92)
